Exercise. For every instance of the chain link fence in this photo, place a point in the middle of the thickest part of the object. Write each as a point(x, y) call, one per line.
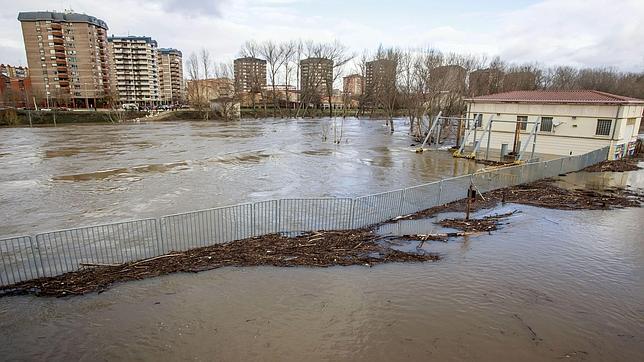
point(54, 253)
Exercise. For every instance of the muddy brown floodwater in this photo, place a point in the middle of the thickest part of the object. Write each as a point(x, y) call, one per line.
point(80, 175)
point(547, 285)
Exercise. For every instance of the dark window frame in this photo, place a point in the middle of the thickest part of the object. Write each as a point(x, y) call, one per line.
point(604, 127)
point(550, 123)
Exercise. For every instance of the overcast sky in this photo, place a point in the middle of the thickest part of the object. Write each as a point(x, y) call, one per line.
point(571, 32)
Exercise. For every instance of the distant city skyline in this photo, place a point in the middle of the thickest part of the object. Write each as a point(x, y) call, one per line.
point(591, 33)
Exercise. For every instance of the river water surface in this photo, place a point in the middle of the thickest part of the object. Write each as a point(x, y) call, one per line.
point(549, 285)
point(80, 175)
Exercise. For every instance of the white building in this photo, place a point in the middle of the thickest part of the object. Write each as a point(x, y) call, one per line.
point(571, 122)
point(135, 74)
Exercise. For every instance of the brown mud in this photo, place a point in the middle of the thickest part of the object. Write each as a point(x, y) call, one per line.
point(543, 193)
point(626, 164)
point(319, 249)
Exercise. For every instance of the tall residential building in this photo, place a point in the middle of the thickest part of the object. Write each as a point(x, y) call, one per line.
point(353, 85)
point(380, 75)
point(135, 74)
point(485, 81)
point(316, 78)
point(171, 84)
point(14, 72)
point(519, 80)
point(67, 56)
point(250, 75)
point(448, 78)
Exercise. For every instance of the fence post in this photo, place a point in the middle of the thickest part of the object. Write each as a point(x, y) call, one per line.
point(279, 216)
point(158, 223)
point(402, 201)
point(39, 273)
point(252, 219)
point(440, 192)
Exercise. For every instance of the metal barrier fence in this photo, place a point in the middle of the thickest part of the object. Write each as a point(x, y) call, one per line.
point(53, 253)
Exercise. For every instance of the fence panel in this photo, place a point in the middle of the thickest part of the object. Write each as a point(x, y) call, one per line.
point(19, 260)
point(372, 209)
point(298, 215)
point(206, 227)
point(420, 198)
point(265, 218)
point(64, 250)
point(454, 188)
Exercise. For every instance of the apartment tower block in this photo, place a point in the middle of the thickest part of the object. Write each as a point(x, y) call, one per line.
point(135, 73)
point(67, 55)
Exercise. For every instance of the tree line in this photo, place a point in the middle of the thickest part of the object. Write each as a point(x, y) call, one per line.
point(416, 82)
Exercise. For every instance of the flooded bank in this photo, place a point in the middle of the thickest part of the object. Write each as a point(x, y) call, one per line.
point(534, 290)
point(78, 175)
point(547, 285)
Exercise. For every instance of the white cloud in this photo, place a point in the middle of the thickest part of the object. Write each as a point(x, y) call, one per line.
point(574, 32)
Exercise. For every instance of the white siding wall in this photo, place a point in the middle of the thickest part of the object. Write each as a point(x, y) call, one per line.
point(575, 128)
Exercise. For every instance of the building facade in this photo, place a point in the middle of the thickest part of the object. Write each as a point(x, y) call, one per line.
point(202, 91)
point(570, 122)
point(14, 72)
point(353, 85)
point(15, 87)
point(67, 55)
point(380, 75)
point(448, 78)
point(250, 75)
point(134, 68)
point(171, 84)
point(316, 79)
point(485, 81)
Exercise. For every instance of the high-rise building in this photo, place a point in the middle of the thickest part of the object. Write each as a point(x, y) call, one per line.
point(485, 81)
point(380, 75)
point(448, 78)
point(67, 56)
point(135, 73)
point(14, 72)
point(171, 84)
point(316, 78)
point(353, 85)
point(250, 75)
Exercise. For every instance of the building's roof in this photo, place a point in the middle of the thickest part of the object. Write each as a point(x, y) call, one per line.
point(146, 39)
point(316, 60)
point(557, 96)
point(249, 59)
point(61, 17)
point(170, 51)
point(356, 75)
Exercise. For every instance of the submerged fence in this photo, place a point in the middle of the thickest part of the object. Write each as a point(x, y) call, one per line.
point(53, 253)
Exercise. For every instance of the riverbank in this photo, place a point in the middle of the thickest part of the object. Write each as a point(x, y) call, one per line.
point(26, 118)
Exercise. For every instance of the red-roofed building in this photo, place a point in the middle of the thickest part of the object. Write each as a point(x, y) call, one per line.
point(571, 122)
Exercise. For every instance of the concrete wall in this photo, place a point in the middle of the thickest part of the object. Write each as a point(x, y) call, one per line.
point(574, 125)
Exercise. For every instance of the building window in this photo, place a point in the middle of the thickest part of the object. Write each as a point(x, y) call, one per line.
point(546, 124)
point(523, 122)
point(603, 127)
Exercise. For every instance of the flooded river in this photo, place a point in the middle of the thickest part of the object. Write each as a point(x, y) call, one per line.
point(80, 175)
point(549, 285)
